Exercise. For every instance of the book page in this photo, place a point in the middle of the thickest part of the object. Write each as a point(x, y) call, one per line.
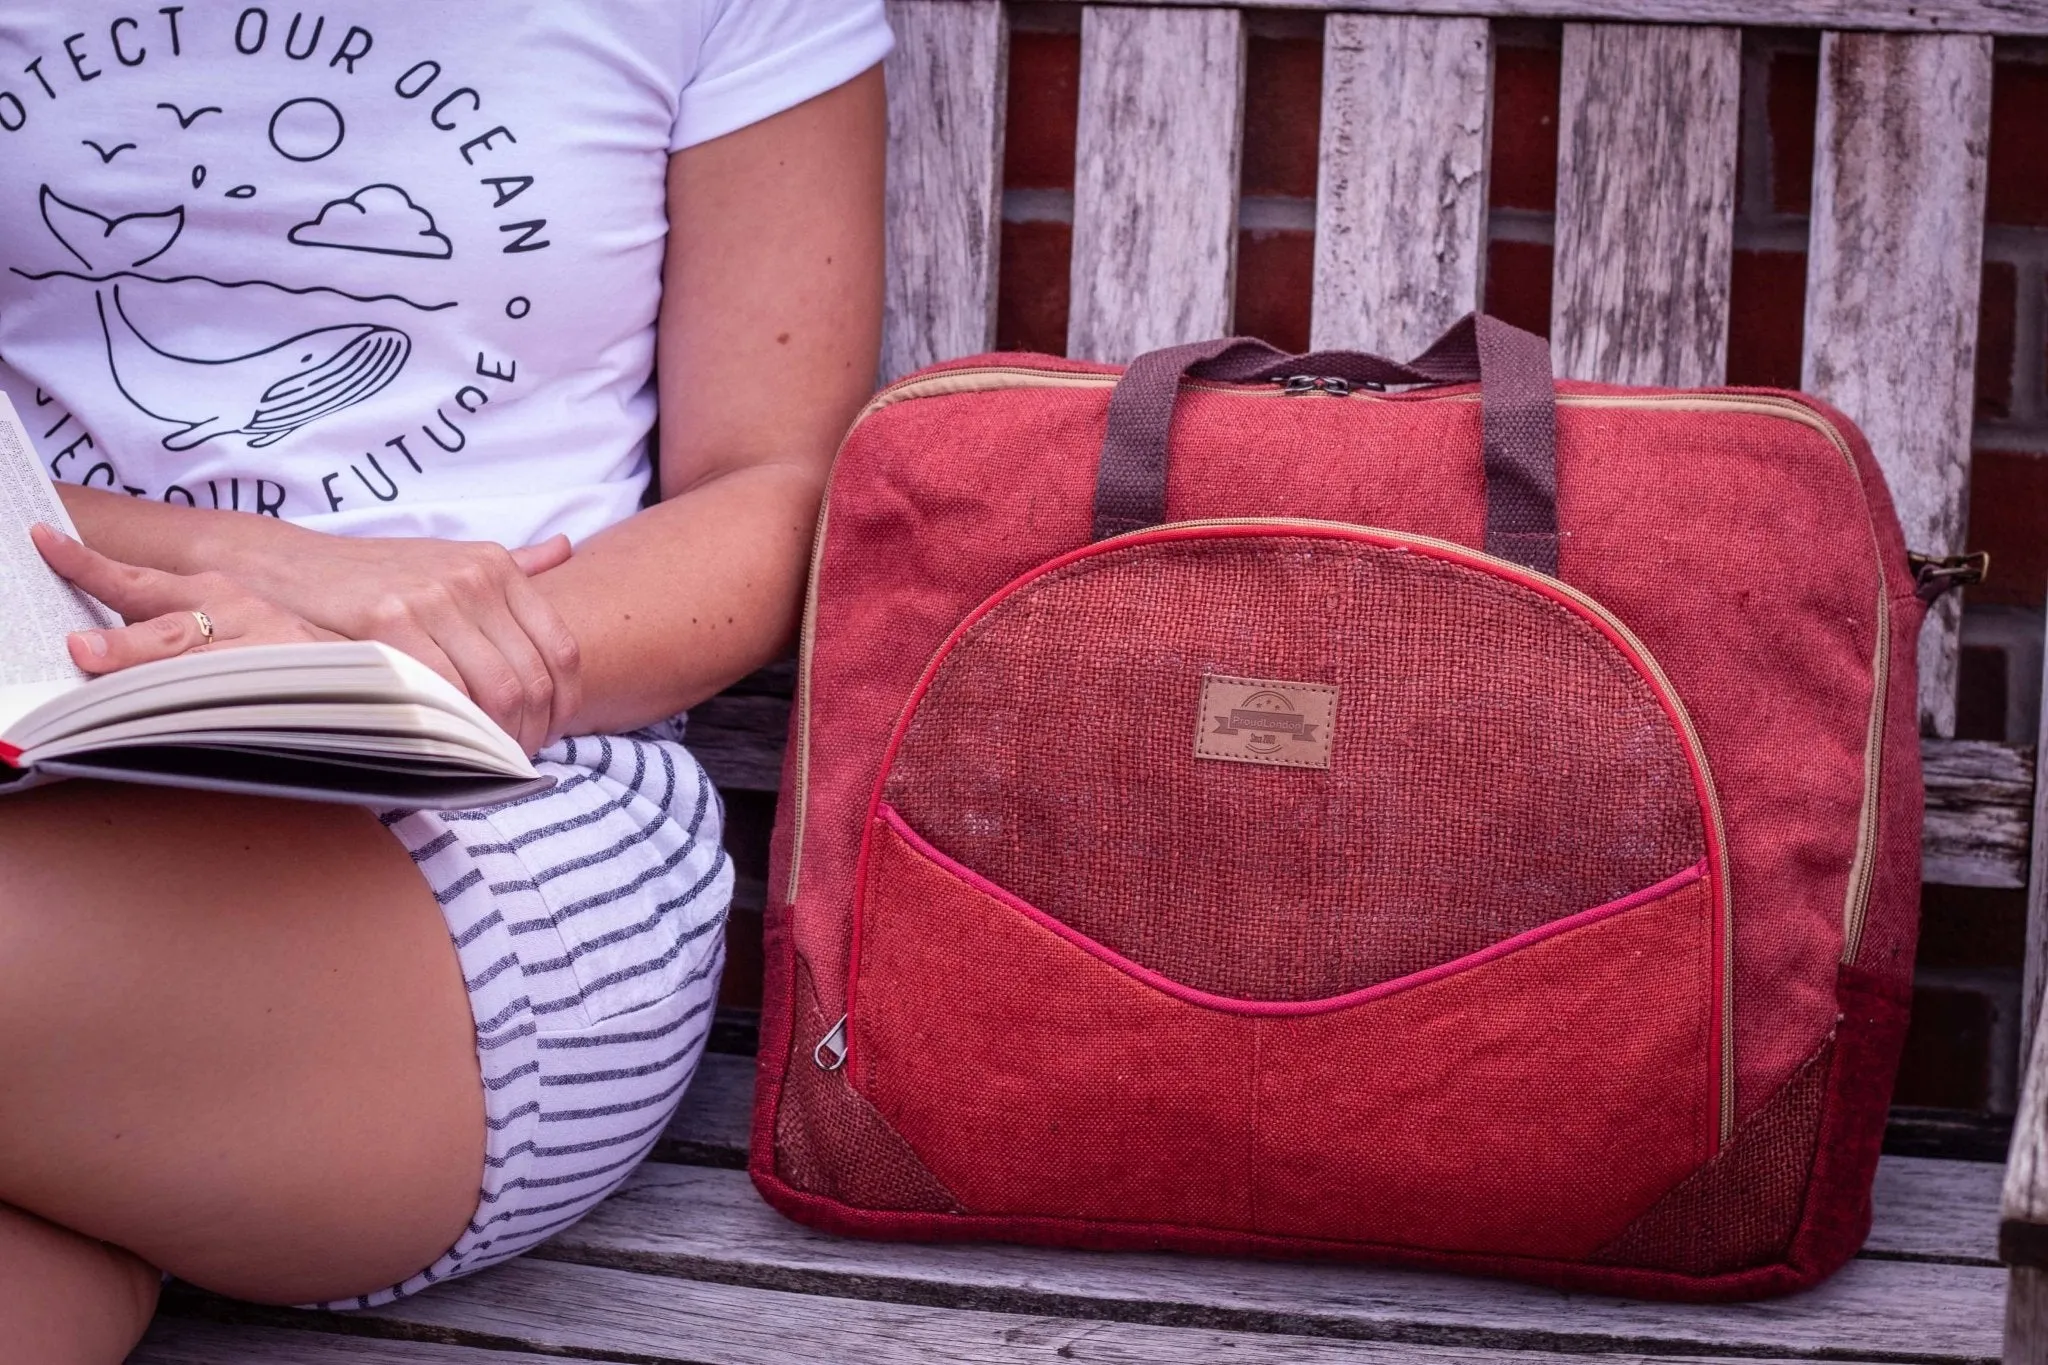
point(37, 608)
point(323, 683)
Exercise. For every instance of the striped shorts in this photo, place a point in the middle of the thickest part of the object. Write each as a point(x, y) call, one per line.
point(589, 920)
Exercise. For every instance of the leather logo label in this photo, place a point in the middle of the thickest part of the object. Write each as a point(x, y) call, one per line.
point(1260, 720)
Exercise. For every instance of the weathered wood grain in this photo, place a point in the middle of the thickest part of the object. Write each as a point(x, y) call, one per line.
point(176, 1341)
point(1897, 238)
point(2005, 17)
point(739, 739)
point(1155, 178)
point(2026, 1317)
point(1980, 799)
point(712, 1125)
point(1647, 119)
point(946, 84)
point(580, 1309)
point(706, 1223)
point(555, 1306)
point(1401, 203)
point(739, 735)
point(1936, 1210)
point(2025, 1195)
point(2036, 971)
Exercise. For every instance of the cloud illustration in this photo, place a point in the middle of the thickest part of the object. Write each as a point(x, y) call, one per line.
point(379, 218)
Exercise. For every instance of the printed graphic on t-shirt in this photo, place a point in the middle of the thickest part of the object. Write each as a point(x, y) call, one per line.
point(276, 323)
point(264, 395)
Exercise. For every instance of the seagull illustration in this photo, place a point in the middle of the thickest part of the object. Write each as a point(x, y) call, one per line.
point(111, 243)
point(186, 120)
point(105, 155)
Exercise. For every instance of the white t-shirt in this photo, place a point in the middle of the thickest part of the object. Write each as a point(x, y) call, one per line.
point(372, 267)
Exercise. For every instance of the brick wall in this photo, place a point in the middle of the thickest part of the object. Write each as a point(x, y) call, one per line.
point(1962, 1049)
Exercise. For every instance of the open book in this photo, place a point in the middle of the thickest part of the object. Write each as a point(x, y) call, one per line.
point(336, 721)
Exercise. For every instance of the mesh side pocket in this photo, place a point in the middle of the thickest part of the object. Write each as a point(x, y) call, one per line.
point(831, 1142)
point(1742, 1207)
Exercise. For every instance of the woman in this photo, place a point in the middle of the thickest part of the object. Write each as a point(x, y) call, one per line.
point(341, 324)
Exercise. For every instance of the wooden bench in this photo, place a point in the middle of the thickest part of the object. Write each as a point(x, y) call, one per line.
point(686, 1264)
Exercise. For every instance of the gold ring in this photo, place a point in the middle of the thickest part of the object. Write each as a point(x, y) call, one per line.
point(205, 626)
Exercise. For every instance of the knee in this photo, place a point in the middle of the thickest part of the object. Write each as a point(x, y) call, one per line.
point(67, 1298)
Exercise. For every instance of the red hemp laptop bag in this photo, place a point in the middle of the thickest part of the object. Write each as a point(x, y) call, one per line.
point(1234, 808)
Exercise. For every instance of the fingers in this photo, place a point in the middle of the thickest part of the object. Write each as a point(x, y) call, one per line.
point(136, 593)
point(159, 605)
point(530, 687)
point(516, 657)
point(551, 553)
point(395, 622)
point(238, 618)
point(472, 617)
point(492, 680)
point(161, 637)
point(559, 653)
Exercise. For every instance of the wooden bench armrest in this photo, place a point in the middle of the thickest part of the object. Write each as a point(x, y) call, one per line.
point(2023, 1217)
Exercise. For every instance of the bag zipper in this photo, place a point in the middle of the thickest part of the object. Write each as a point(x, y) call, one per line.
point(966, 379)
point(830, 1053)
point(982, 378)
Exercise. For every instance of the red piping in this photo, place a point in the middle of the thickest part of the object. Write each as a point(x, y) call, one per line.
point(1286, 1008)
point(1388, 540)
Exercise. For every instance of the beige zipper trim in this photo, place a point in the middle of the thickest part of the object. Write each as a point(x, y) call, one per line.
point(806, 642)
point(985, 378)
point(975, 379)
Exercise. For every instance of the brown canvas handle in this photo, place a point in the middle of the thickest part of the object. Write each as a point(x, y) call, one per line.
point(1517, 407)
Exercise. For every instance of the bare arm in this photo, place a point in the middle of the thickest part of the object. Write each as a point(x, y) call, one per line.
point(768, 336)
point(770, 331)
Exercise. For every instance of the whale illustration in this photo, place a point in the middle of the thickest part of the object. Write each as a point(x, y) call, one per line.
point(265, 395)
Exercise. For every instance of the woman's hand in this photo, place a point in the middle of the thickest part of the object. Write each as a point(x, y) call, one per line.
point(463, 608)
point(162, 609)
point(437, 606)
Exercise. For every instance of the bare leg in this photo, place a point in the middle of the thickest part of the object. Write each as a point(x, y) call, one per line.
point(66, 1299)
point(234, 1040)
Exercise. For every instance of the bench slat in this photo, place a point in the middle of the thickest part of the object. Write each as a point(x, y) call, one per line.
point(715, 1121)
point(1155, 178)
point(2013, 18)
point(2023, 1234)
point(1401, 204)
point(694, 1220)
point(640, 1317)
point(174, 1341)
point(739, 738)
point(1939, 1210)
point(1925, 1208)
point(2037, 887)
point(1979, 810)
point(947, 79)
point(1892, 283)
point(1647, 121)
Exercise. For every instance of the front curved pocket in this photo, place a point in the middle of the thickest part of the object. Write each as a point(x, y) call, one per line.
point(1497, 758)
point(1531, 1103)
point(1301, 880)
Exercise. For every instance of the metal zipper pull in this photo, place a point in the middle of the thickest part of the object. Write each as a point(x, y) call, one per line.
point(1296, 385)
point(830, 1053)
point(1935, 575)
